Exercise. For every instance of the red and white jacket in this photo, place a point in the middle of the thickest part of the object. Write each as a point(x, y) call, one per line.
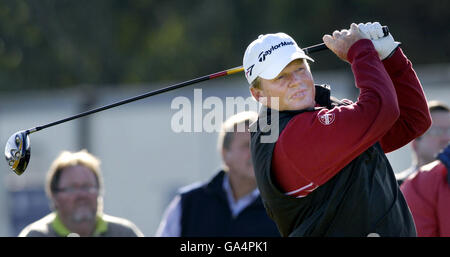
point(427, 193)
point(391, 109)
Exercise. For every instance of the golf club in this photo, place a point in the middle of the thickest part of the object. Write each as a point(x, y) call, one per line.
point(18, 149)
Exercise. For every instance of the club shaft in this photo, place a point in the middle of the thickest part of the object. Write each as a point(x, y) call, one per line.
point(307, 50)
point(139, 97)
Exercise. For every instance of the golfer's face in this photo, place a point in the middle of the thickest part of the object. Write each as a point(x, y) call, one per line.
point(436, 138)
point(294, 87)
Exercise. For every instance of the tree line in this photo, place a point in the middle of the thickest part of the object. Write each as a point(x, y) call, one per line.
point(67, 43)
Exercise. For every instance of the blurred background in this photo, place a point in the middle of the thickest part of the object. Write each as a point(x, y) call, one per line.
point(60, 57)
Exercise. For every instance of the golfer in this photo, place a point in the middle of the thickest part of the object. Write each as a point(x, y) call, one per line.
point(327, 174)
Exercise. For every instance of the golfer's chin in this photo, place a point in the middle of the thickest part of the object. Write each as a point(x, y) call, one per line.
point(297, 104)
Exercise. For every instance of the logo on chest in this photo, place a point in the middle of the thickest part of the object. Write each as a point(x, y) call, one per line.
point(326, 119)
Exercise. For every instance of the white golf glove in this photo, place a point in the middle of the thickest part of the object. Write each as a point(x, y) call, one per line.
point(385, 46)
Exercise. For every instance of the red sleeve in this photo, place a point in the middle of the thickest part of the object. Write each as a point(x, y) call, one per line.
point(443, 206)
point(414, 117)
point(422, 195)
point(314, 146)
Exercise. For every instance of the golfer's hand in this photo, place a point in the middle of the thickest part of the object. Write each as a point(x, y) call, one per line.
point(385, 46)
point(341, 41)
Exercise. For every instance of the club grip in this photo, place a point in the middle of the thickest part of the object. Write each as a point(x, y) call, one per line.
point(322, 46)
point(385, 31)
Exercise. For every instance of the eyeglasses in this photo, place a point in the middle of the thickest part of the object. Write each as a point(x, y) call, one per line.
point(73, 190)
point(438, 131)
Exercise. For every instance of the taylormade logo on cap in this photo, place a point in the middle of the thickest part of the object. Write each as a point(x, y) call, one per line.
point(267, 56)
point(263, 54)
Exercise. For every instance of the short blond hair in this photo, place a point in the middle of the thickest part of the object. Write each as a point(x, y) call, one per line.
point(69, 159)
point(256, 83)
point(232, 125)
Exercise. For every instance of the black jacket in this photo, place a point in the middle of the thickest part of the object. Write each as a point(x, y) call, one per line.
point(206, 213)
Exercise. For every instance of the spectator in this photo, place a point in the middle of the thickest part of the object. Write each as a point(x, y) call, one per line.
point(227, 205)
point(74, 185)
point(426, 147)
point(428, 195)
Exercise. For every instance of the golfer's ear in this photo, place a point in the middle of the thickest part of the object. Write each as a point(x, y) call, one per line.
point(256, 93)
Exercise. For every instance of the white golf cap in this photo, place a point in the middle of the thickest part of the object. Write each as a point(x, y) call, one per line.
point(267, 56)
